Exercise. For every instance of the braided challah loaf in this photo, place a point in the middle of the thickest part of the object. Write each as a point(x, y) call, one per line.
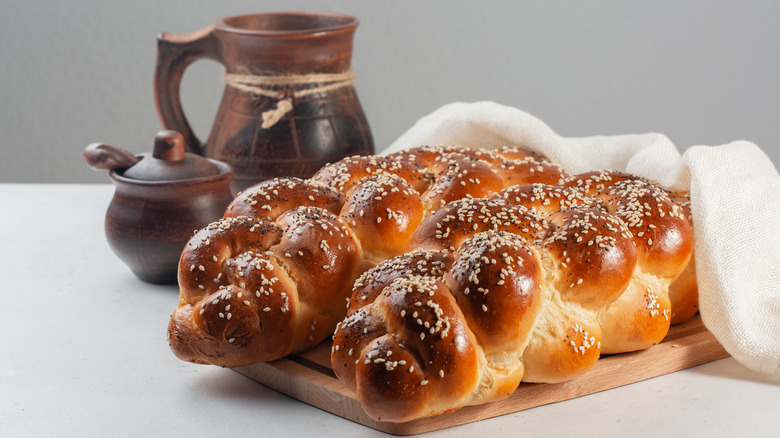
point(516, 264)
point(532, 284)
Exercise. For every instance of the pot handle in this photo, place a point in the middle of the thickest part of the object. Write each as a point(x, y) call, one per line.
point(174, 54)
point(102, 156)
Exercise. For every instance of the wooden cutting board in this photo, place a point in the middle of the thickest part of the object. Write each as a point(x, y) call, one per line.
point(309, 378)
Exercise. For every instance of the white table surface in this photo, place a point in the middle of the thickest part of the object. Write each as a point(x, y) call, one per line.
point(83, 353)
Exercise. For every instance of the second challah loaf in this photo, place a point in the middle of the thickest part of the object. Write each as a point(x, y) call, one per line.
point(532, 284)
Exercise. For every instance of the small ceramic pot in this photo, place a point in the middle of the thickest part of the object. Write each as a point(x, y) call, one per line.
point(160, 200)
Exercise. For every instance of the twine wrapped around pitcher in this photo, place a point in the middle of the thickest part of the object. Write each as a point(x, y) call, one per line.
point(269, 86)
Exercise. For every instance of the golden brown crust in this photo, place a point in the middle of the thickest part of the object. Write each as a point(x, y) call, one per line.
point(459, 176)
point(511, 153)
point(489, 268)
point(269, 199)
point(547, 279)
point(543, 198)
point(457, 221)
point(684, 291)
point(590, 183)
point(594, 255)
point(419, 262)
point(383, 210)
point(531, 171)
point(345, 173)
point(662, 234)
point(413, 337)
point(563, 348)
point(638, 319)
point(496, 279)
point(204, 256)
point(253, 290)
point(321, 254)
point(663, 238)
point(428, 157)
point(684, 295)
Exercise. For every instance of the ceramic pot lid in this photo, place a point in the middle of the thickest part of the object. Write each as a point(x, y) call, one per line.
point(169, 161)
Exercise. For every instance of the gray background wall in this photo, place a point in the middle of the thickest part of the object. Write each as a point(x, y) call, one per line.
point(701, 72)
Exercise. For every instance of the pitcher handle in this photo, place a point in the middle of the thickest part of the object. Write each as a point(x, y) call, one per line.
point(174, 54)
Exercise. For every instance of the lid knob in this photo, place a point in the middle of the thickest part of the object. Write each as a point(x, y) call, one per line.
point(169, 146)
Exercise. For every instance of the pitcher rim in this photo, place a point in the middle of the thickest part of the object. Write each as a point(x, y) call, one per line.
point(350, 24)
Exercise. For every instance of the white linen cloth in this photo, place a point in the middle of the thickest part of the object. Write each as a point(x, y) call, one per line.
point(735, 205)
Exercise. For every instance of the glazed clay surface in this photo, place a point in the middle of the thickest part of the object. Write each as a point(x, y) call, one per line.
point(321, 127)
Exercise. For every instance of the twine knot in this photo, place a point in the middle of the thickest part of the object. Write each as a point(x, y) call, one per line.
point(296, 84)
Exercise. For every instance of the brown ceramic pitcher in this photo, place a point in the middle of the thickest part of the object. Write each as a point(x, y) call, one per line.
point(288, 107)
